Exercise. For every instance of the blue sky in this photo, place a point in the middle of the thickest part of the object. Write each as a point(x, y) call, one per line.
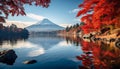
point(59, 12)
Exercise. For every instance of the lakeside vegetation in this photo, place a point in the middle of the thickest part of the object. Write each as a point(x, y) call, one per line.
point(12, 31)
point(98, 36)
point(100, 20)
point(96, 54)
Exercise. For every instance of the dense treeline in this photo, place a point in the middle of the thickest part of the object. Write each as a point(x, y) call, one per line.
point(43, 34)
point(72, 27)
point(12, 31)
point(72, 30)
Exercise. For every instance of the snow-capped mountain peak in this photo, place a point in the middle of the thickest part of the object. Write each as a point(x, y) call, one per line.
point(44, 25)
point(44, 21)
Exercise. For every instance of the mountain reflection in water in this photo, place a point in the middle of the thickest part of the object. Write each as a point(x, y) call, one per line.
point(52, 52)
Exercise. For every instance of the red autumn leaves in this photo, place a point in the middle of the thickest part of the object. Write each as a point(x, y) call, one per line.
point(98, 55)
point(16, 7)
point(98, 13)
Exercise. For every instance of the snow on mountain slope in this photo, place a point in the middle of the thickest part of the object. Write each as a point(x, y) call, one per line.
point(44, 26)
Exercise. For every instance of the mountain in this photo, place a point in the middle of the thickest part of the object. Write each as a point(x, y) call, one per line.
point(44, 26)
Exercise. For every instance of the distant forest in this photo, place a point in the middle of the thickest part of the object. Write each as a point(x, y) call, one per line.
point(12, 31)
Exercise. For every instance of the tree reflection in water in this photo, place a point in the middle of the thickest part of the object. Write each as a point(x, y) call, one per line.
point(9, 56)
point(98, 54)
point(12, 39)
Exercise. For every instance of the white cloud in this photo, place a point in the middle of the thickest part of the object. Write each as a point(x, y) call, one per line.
point(20, 24)
point(34, 16)
point(75, 10)
point(65, 25)
point(77, 19)
point(23, 24)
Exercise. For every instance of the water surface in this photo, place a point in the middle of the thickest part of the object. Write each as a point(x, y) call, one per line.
point(49, 52)
point(52, 52)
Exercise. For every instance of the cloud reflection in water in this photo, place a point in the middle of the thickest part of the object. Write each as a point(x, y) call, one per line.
point(36, 52)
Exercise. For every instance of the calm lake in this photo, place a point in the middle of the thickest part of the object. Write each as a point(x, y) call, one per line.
point(60, 53)
point(49, 52)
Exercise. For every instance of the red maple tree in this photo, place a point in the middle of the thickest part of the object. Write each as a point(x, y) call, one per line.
point(99, 13)
point(16, 7)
